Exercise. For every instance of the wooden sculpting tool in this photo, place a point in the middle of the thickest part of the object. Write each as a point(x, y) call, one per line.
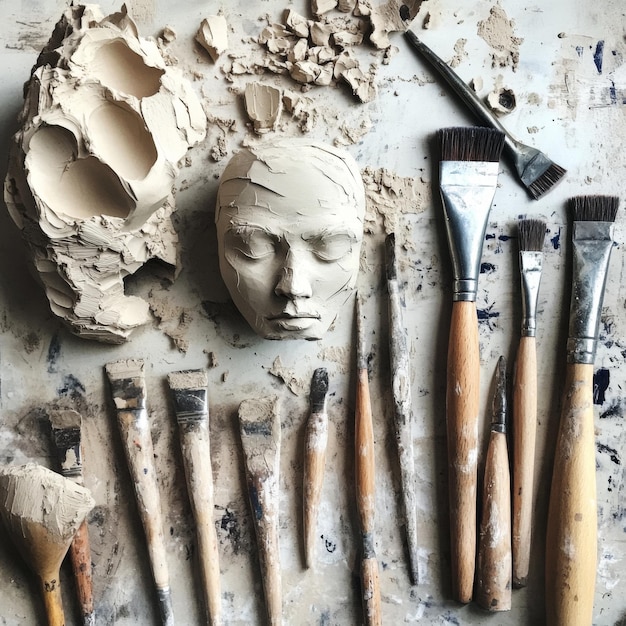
point(315, 441)
point(189, 392)
point(494, 569)
point(531, 239)
point(66, 432)
point(401, 385)
point(365, 481)
point(468, 179)
point(42, 511)
point(260, 438)
point(128, 388)
point(572, 537)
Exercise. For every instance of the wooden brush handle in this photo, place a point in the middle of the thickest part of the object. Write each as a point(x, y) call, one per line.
point(365, 491)
point(196, 452)
point(51, 592)
point(80, 556)
point(493, 588)
point(462, 405)
point(524, 436)
point(571, 550)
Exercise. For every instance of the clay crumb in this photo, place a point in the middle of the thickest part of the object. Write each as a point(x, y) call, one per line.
point(295, 385)
point(213, 35)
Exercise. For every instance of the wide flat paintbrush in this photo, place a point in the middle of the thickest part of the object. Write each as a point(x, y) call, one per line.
point(128, 389)
point(535, 170)
point(468, 175)
point(403, 416)
point(315, 441)
point(571, 546)
point(493, 579)
point(531, 239)
point(190, 396)
point(66, 433)
point(366, 481)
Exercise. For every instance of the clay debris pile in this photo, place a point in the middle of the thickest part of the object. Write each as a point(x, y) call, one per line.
point(90, 182)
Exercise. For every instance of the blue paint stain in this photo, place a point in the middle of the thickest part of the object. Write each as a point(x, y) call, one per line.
point(487, 268)
point(486, 314)
point(613, 454)
point(579, 51)
point(615, 410)
point(601, 381)
point(556, 240)
point(613, 93)
point(257, 507)
point(488, 236)
point(504, 237)
point(598, 54)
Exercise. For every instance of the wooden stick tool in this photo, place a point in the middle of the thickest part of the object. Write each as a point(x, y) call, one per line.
point(128, 388)
point(66, 432)
point(260, 438)
point(315, 441)
point(190, 395)
point(365, 481)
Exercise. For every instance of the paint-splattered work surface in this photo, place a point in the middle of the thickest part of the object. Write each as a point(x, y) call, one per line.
point(565, 65)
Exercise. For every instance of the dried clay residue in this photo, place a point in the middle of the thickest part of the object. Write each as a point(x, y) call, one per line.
point(497, 31)
point(295, 385)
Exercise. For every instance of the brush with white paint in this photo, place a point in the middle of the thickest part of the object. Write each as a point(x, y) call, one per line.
point(531, 239)
point(190, 396)
point(572, 538)
point(468, 175)
point(128, 389)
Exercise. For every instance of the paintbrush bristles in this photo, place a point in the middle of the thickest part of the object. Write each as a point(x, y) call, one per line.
point(532, 234)
point(546, 181)
point(594, 208)
point(473, 143)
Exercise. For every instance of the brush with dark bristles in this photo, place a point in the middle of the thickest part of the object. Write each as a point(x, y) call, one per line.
point(532, 235)
point(535, 170)
point(468, 177)
point(571, 545)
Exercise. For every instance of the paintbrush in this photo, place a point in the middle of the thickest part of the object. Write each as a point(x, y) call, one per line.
point(315, 441)
point(493, 579)
point(190, 396)
point(535, 170)
point(365, 481)
point(572, 518)
point(42, 511)
point(128, 389)
point(531, 238)
point(66, 433)
point(468, 174)
point(401, 386)
point(260, 439)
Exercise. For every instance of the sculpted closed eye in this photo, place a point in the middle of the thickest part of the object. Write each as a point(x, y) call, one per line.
point(331, 247)
point(253, 243)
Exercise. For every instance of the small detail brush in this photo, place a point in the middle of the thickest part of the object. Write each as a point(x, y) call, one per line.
point(66, 432)
point(493, 584)
point(401, 385)
point(535, 170)
point(531, 239)
point(315, 441)
point(190, 396)
point(571, 546)
point(468, 176)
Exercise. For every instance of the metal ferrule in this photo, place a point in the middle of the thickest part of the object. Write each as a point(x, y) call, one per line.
point(530, 264)
point(592, 243)
point(467, 190)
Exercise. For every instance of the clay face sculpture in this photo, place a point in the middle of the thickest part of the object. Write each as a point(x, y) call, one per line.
point(104, 124)
point(289, 226)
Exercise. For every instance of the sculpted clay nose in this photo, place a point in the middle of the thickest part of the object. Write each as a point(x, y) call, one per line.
point(293, 284)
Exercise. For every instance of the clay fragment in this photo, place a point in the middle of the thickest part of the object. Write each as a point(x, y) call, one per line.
point(263, 105)
point(296, 23)
point(501, 100)
point(319, 7)
point(213, 35)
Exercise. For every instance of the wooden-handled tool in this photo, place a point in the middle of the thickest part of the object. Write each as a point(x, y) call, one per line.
point(128, 388)
point(365, 481)
point(66, 432)
point(42, 511)
point(494, 569)
point(260, 439)
point(189, 392)
point(315, 441)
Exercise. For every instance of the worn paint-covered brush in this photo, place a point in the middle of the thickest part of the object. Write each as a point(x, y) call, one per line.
point(259, 426)
point(190, 396)
point(403, 414)
point(493, 575)
point(572, 538)
point(531, 239)
point(66, 432)
point(315, 442)
point(468, 175)
point(128, 389)
point(535, 170)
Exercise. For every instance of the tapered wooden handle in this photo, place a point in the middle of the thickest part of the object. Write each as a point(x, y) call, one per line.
point(371, 592)
point(80, 556)
point(493, 588)
point(571, 549)
point(462, 405)
point(524, 436)
point(51, 592)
